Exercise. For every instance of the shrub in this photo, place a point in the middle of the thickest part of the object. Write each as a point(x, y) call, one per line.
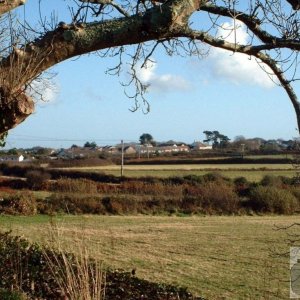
point(121, 205)
point(36, 179)
point(12, 170)
point(296, 192)
point(191, 190)
point(155, 189)
point(193, 179)
point(47, 274)
point(190, 205)
point(213, 177)
point(67, 185)
point(241, 181)
point(273, 200)
point(12, 295)
point(271, 180)
point(40, 273)
point(286, 180)
point(218, 197)
point(19, 204)
point(176, 180)
point(241, 186)
point(107, 188)
point(71, 203)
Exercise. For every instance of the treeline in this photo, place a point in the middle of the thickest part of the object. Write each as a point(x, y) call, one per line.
point(15, 170)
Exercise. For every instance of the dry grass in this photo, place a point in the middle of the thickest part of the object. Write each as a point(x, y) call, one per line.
point(188, 167)
point(216, 257)
point(77, 278)
point(253, 172)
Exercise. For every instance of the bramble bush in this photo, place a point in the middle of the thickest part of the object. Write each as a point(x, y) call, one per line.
point(36, 179)
point(67, 185)
point(271, 180)
point(270, 199)
point(218, 197)
point(71, 203)
point(22, 203)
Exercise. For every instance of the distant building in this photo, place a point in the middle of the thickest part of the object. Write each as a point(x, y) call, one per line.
point(77, 153)
point(146, 149)
point(110, 149)
point(130, 150)
point(172, 147)
point(198, 146)
point(15, 158)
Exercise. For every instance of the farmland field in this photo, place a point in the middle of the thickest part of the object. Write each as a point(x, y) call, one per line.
point(253, 172)
point(216, 257)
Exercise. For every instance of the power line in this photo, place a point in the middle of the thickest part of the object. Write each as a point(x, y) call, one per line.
point(28, 138)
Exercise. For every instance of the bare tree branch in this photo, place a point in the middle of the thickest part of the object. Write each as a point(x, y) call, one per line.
point(108, 2)
point(253, 24)
point(270, 25)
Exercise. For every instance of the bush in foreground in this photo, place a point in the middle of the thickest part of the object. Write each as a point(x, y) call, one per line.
point(12, 295)
point(29, 269)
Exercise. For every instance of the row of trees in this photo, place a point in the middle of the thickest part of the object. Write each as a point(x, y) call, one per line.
point(240, 143)
point(217, 139)
point(221, 141)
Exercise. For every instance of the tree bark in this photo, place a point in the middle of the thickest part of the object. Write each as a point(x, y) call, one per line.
point(14, 110)
point(295, 4)
point(8, 5)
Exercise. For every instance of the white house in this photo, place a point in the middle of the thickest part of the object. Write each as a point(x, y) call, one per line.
point(201, 146)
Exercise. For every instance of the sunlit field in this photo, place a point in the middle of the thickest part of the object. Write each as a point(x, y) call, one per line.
point(215, 257)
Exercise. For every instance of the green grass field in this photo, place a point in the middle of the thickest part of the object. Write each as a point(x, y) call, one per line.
point(215, 257)
point(253, 172)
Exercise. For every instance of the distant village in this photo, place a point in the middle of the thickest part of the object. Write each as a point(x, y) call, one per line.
point(90, 150)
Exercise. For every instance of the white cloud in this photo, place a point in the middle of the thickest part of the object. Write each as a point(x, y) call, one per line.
point(161, 83)
point(236, 67)
point(147, 72)
point(43, 91)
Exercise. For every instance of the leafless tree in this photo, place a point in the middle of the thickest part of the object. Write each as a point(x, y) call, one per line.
point(137, 29)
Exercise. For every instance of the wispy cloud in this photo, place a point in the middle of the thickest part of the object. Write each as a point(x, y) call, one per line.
point(236, 67)
point(92, 94)
point(161, 83)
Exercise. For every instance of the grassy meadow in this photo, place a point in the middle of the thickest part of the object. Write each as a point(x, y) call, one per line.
point(216, 257)
point(253, 172)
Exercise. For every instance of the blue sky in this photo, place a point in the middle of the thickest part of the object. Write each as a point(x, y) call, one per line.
point(223, 92)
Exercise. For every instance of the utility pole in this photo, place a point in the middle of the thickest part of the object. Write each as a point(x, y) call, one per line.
point(242, 150)
point(140, 151)
point(148, 150)
point(122, 158)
